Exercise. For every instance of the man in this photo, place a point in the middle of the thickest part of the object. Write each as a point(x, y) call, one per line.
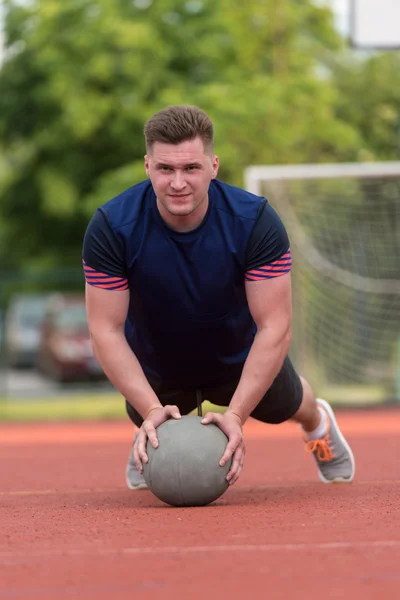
point(188, 296)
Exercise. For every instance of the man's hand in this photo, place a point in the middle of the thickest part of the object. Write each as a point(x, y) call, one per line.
point(231, 424)
point(154, 418)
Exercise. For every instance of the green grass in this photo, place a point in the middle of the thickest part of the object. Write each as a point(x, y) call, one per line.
point(85, 407)
point(355, 395)
point(112, 406)
point(73, 408)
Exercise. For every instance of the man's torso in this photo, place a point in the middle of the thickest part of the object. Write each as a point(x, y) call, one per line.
point(188, 320)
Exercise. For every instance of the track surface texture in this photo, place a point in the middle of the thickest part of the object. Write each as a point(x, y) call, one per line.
point(70, 528)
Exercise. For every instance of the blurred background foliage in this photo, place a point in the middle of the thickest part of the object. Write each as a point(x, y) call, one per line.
point(79, 78)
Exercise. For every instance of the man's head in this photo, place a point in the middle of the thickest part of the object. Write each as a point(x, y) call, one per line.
point(177, 124)
point(180, 163)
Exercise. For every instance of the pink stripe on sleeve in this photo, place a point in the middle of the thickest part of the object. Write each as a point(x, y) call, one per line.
point(278, 267)
point(103, 280)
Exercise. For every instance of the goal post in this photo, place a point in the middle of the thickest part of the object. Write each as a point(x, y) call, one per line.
point(343, 222)
point(255, 176)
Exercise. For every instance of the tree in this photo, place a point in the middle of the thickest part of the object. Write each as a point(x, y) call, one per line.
point(80, 78)
point(369, 100)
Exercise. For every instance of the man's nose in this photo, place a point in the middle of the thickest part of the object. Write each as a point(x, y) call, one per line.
point(178, 181)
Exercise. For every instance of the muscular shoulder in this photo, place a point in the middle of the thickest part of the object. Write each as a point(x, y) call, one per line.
point(234, 200)
point(105, 246)
point(268, 251)
point(129, 205)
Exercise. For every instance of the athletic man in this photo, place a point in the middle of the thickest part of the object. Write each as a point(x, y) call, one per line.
point(188, 295)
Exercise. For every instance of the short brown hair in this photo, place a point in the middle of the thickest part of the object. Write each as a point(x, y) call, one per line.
point(176, 124)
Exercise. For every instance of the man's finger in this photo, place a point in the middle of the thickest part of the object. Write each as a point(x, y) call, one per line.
point(141, 447)
point(151, 434)
point(236, 467)
point(229, 450)
point(238, 472)
point(236, 476)
point(138, 462)
point(209, 418)
point(173, 411)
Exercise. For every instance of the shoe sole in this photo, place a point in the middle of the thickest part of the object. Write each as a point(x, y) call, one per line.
point(331, 416)
point(138, 487)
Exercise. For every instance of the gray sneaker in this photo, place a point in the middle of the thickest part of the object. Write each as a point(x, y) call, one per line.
point(332, 453)
point(134, 480)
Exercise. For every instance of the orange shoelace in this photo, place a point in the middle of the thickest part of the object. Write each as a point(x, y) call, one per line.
point(321, 447)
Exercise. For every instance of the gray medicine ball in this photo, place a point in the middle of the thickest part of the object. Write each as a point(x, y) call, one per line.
point(184, 470)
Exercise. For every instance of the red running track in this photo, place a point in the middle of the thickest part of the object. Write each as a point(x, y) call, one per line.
point(69, 528)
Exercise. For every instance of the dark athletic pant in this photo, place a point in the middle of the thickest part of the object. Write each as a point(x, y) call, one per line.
point(279, 404)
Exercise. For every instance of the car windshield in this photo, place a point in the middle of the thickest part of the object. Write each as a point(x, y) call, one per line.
point(30, 313)
point(72, 318)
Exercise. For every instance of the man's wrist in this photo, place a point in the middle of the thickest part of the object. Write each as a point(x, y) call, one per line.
point(150, 410)
point(237, 415)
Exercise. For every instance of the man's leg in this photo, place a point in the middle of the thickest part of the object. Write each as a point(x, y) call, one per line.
point(308, 415)
point(332, 453)
point(290, 397)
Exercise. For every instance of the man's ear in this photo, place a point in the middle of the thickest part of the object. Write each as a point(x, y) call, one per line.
point(215, 167)
point(146, 165)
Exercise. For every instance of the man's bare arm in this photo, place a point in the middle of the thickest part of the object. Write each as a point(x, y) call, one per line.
point(270, 304)
point(106, 313)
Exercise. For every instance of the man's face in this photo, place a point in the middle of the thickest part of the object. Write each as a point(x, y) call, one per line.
point(181, 175)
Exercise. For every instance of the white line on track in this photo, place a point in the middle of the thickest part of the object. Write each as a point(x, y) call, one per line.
point(238, 488)
point(160, 550)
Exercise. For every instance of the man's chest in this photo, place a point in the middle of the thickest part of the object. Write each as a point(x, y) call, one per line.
point(199, 276)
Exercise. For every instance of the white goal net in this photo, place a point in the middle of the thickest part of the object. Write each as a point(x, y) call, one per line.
point(343, 222)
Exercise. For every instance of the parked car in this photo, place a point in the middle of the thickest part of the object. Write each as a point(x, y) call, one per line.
point(22, 327)
point(65, 352)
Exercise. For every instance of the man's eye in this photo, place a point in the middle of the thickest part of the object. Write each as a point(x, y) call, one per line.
point(165, 169)
point(191, 168)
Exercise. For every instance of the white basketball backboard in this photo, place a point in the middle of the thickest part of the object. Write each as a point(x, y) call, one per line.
point(375, 23)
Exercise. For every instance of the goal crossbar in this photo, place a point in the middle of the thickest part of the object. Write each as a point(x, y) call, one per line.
point(256, 174)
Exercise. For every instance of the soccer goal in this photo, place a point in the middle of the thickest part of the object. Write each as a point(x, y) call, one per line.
point(343, 222)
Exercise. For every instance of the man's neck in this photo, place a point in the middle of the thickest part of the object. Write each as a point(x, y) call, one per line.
point(185, 223)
